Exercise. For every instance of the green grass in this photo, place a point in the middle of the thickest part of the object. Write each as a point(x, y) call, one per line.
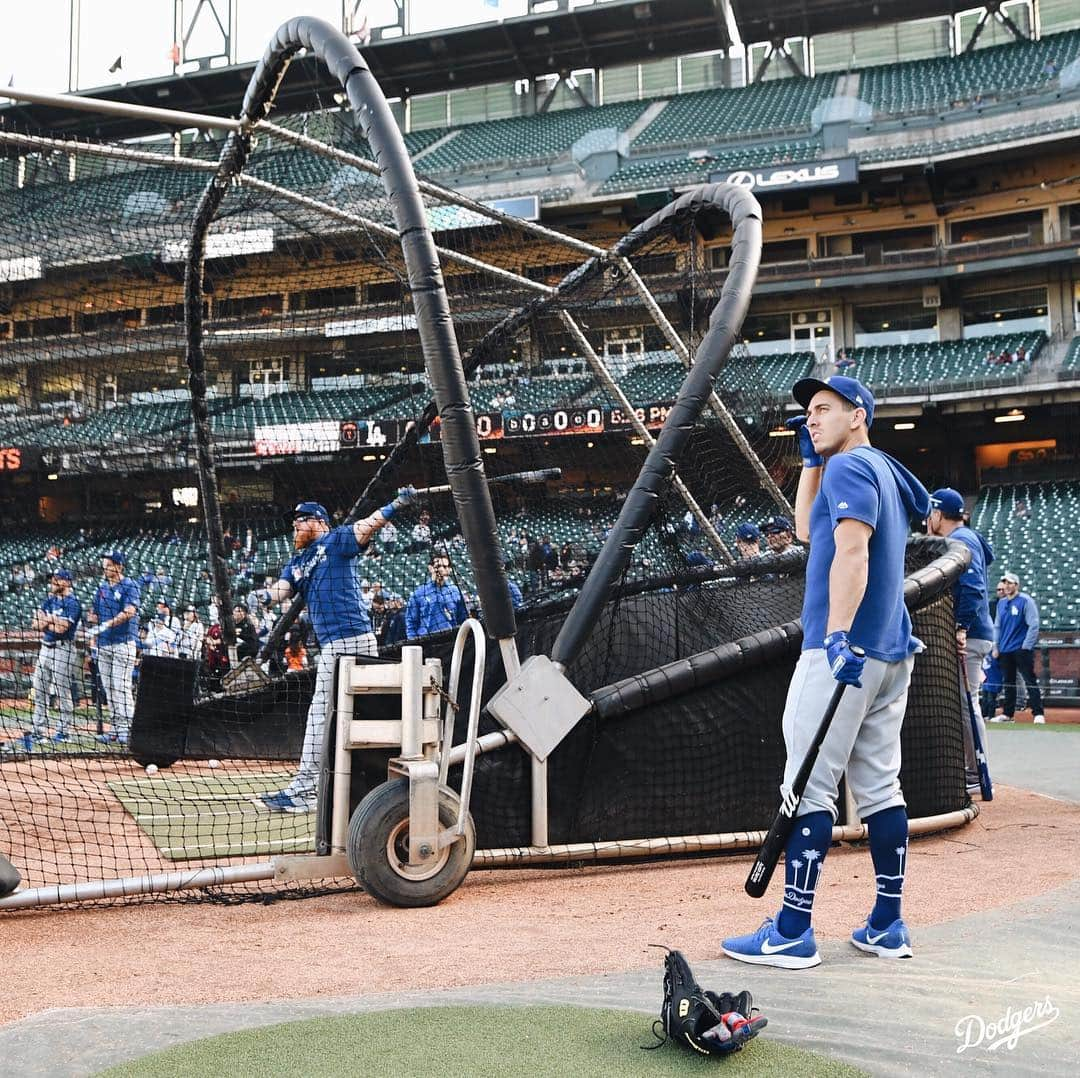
point(478, 1042)
point(192, 817)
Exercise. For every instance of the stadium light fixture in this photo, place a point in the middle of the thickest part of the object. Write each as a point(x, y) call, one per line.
point(1012, 416)
point(903, 426)
point(781, 432)
point(490, 450)
point(53, 475)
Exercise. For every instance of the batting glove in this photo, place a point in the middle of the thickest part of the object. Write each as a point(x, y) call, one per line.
point(405, 496)
point(811, 458)
point(845, 664)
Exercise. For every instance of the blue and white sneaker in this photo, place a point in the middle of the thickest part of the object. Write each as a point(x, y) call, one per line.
point(766, 947)
point(891, 942)
point(283, 802)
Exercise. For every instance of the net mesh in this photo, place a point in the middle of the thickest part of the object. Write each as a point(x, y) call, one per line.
point(315, 377)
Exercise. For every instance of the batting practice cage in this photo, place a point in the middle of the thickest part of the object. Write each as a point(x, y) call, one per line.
point(568, 661)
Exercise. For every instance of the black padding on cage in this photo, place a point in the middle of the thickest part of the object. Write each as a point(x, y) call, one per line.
point(725, 322)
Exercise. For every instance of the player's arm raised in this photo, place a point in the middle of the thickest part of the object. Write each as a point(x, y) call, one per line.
point(809, 478)
point(366, 528)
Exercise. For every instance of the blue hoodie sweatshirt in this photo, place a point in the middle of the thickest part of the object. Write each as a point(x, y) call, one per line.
point(868, 485)
point(970, 601)
point(1016, 627)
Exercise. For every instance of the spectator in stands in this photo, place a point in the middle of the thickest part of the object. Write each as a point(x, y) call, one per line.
point(537, 566)
point(716, 518)
point(162, 632)
point(216, 661)
point(247, 635)
point(295, 653)
point(437, 604)
point(162, 580)
point(378, 590)
point(747, 541)
point(421, 532)
point(1016, 633)
point(394, 630)
point(1020, 355)
point(1004, 358)
point(844, 362)
point(779, 534)
point(551, 556)
point(192, 635)
point(1050, 67)
point(1021, 511)
point(388, 537)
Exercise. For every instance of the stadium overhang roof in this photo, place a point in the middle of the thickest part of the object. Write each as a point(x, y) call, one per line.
point(602, 35)
point(766, 20)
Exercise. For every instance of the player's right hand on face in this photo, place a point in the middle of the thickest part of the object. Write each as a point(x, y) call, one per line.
point(811, 458)
point(845, 665)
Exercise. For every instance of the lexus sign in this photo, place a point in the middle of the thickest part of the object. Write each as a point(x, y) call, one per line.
point(789, 177)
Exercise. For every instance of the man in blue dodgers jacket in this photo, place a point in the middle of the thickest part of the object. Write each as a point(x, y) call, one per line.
point(57, 665)
point(1016, 633)
point(437, 604)
point(971, 608)
point(854, 505)
point(115, 619)
point(323, 571)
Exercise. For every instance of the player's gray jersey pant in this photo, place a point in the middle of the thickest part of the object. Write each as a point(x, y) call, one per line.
point(56, 668)
point(977, 650)
point(864, 739)
point(115, 664)
point(304, 786)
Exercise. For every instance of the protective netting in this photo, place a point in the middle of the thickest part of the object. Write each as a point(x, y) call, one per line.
point(315, 389)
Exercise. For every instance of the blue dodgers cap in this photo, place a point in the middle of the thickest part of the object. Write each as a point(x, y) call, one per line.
point(63, 574)
point(116, 557)
point(775, 525)
point(851, 389)
point(949, 501)
point(748, 532)
point(310, 509)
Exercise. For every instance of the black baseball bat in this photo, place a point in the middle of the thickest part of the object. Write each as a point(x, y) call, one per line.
point(540, 476)
point(775, 841)
point(985, 783)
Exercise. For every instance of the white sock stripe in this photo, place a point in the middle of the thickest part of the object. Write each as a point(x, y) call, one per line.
point(889, 894)
point(882, 876)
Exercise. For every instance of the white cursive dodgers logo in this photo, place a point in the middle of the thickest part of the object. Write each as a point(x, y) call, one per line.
point(976, 1032)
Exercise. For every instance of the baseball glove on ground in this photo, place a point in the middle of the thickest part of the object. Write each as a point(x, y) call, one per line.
point(713, 1023)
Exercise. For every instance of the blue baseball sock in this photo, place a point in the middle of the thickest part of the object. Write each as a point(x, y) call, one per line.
point(888, 848)
point(805, 851)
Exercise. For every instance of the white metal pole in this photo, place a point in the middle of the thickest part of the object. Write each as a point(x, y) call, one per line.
point(412, 658)
point(343, 713)
point(171, 117)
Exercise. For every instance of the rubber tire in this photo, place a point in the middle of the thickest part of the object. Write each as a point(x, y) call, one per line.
point(383, 816)
point(9, 877)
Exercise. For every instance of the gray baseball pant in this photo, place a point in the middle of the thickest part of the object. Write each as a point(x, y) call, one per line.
point(863, 740)
point(306, 782)
point(55, 671)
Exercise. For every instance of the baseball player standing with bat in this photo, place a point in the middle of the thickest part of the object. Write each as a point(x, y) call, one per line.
point(971, 608)
point(322, 570)
point(854, 506)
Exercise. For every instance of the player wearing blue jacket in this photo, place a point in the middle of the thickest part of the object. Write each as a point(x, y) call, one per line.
point(854, 505)
point(437, 604)
point(323, 571)
point(1016, 633)
point(57, 619)
point(116, 628)
point(971, 609)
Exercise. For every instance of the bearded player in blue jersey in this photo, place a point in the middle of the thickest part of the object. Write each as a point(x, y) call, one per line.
point(854, 506)
point(323, 571)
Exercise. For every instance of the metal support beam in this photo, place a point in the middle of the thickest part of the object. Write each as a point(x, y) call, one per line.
point(168, 117)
